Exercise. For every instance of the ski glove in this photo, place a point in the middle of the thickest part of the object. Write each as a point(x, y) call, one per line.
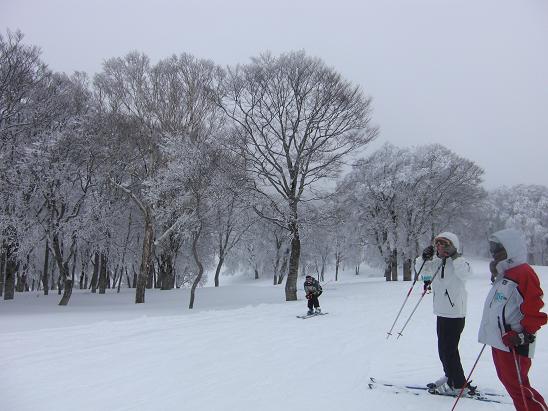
point(451, 251)
point(427, 285)
point(493, 269)
point(512, 338)
point(428, 253)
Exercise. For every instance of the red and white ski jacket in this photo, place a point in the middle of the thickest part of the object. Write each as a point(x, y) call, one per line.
point(515, 300)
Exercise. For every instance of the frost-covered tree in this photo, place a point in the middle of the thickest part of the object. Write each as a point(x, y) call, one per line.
point(133, 155)
point(200, 177)
point(27, 105)
point(296, 119)
point(42, 117)
point(445, 191)
point(232, 215)
point(60, 172)
point(404, 196)
point(144, 105)
point(524, 207)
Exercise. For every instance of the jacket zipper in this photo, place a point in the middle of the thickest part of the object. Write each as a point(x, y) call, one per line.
point(494, 295)
point(500, 328)
point(447, 294)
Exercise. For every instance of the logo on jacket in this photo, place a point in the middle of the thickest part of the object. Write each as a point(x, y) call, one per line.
point(500, 296)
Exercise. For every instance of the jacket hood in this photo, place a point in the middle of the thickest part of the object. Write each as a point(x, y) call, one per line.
point(513, 242)
point(451, 237)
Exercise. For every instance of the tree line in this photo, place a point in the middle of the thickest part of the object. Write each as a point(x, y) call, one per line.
point(153, 175)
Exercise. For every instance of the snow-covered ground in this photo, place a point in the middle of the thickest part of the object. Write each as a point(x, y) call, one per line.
point(241, 348)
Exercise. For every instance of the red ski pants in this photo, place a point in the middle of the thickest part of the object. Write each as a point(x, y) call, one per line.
point(508, 375)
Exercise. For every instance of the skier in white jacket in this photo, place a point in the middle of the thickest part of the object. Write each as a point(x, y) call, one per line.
point(445, 270)
point(512, 315)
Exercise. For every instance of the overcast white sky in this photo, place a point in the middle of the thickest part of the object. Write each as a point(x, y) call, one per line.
point(469, 74)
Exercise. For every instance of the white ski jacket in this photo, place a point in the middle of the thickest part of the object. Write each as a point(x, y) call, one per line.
point(515, 300)
point(448, 286)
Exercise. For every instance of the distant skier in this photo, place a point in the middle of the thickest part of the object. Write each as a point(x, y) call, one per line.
point(450, 269)
point(313, 290)
point(511, 317)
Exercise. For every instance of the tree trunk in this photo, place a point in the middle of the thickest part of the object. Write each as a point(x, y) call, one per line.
point(122, 270)
point(82, 273)
point(337, 264)
point(218, 270)
point(394, 264)
point(95, 276)
point(322, 272)
point(144, 270)
point(74, 265)
point(151, 280)
point(166, 271)
point(46, 266)
point(63, 272)
point(67, 289)
point(407, 264)
point(115, 276)
point(283, 268)
point(3, 261)
point(278, 259)
point(21, 285)
point(128, 279)
point(11, 268)
point(198, 264)
point(291, 282)
point(103, 274)
point(388, 268)
point(53, 267)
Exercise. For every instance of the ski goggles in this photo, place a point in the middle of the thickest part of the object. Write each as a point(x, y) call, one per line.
point(442, 242)
point(495, 248)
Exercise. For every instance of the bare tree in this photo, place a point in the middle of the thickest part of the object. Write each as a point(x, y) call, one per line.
point(146, 104)
point(296, 120)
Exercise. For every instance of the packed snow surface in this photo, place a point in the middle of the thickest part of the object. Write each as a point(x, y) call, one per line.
point(241, 348)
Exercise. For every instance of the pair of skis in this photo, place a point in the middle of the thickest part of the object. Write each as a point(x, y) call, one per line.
point(304, 317)
point(424, 390)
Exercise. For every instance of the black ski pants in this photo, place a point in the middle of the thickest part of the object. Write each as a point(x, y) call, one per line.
point(313, 302)
point(449, 331)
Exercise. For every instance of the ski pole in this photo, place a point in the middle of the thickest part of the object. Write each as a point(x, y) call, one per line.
point(468, 379)
point(420, 299)
point(389, 333)
point(518, 370)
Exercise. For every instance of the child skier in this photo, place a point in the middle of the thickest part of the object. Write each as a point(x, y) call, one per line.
point(313, 290)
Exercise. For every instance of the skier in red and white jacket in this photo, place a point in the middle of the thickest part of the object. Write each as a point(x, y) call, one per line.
point(511, 317)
